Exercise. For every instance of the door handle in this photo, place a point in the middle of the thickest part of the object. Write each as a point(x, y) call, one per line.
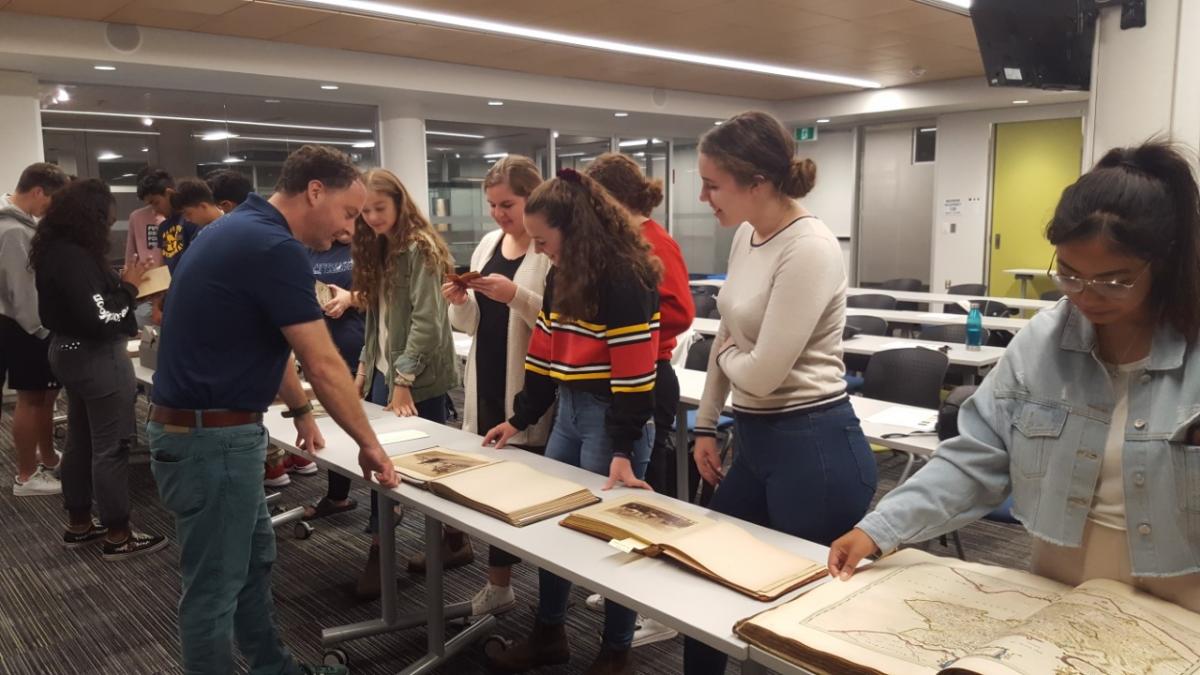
point(996, 242)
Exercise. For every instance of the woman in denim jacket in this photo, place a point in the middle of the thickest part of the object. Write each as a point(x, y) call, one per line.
point(1092, 419)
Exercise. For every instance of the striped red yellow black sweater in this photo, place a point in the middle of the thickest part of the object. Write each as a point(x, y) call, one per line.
point(611, 355)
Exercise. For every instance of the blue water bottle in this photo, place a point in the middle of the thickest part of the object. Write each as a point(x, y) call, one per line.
point(974, 328)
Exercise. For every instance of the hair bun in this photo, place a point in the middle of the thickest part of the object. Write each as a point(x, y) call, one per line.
point(652, 195)
point(801, 178)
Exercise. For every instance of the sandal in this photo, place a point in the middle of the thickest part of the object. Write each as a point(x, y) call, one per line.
point(326, 507)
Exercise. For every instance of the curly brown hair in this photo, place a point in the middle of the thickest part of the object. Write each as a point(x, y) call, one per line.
point(624, 180)
point(80, 212)
point(375, 257)
point(599, 241)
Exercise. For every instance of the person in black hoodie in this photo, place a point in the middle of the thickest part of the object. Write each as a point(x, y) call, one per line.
point(89, 310)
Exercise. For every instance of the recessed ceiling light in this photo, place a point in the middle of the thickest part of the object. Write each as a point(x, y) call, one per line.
point(423, 16)
point(364, 144)
point(572, 154)
point(717, 123)
point(555, 134)
point(495, 103)
point(823, 120)
point(457, 156)
point(232, 160)
point(270, 100)
point(928, 130)
point(179, 118)
point(620, 114)
point(1021, 101)
point(108, 155)
point(495, 155)
point(61, 96)
point(145, 149)
point(634, 143)
point(147, 121)
point(217, 136)
point(330, 87)
point(100, 67)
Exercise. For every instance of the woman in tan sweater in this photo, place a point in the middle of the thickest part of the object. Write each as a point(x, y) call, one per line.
point(499, 310)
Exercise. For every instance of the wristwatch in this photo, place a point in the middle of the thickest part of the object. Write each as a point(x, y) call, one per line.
point(297, 412)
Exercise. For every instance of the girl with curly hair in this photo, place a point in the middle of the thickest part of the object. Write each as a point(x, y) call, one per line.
point(408, 362)
point(593, 349)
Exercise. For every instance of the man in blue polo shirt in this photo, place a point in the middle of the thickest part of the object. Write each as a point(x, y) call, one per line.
point(239, 303)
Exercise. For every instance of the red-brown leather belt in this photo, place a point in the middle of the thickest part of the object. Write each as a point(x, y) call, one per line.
point(194, 419)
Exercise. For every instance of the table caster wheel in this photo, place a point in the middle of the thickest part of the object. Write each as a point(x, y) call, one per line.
point(302, 530)
point(496, 644)
point(335, 657)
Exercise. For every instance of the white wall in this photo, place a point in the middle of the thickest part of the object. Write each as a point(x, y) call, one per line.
point(894, 226)
point(20, 126)
point(963, 172)
point(833, 198)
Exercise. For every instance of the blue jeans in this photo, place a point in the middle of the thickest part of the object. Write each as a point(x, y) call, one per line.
point(432, 409)
point(809, 473)
point(211, 480)
point(580, 439)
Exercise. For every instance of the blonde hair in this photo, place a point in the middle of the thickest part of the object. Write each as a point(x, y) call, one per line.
point(518, 172)
point(375, 256)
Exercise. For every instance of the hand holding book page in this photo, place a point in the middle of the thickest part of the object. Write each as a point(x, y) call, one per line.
point(156, 280)
point(716, 549)
point(917, 614)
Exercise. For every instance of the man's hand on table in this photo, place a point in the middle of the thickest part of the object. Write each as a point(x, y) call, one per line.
point(374, 460)
point(308, 436)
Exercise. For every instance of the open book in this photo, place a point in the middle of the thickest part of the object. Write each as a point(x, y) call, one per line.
point(156, 280)
point(914, 613)
point(510, 491)
point(715, 549)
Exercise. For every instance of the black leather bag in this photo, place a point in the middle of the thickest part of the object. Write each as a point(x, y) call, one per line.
point(947, 422)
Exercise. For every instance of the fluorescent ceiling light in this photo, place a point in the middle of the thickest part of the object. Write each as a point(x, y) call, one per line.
point(620, 114)
point(217, 136)
point(422, 16)
point(330, 87)
point(178, 118)
point(571, 154)
point(717, 123)
point(495, 155)
point(102, 131)
point(364, 144)
point(454, 134)
point(100, 67)
point(957, 6)
point(108, 155)
point(823, 120)
point(1020, 102)
point(145, 149)
point(495, 103)
point(286, 139)
point(636, 143)
point(232, 160)
point(270, 100)
point(928, 130)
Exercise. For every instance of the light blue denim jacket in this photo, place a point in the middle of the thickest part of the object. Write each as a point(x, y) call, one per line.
point(1037, 428)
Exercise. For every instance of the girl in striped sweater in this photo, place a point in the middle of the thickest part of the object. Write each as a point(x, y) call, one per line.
point(593, 349)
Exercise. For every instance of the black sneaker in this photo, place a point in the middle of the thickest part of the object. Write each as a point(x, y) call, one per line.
point(81, 539)
point(134, 545)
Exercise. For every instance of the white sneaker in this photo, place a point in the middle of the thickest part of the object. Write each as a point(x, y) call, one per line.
point(595, 602)
point(493, 600)
point(41, 482)
point(650, 631)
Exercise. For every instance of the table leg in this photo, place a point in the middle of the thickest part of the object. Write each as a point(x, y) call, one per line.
point(1024, 286)
point(969, 377)
point(752, 668)
point(681, 452)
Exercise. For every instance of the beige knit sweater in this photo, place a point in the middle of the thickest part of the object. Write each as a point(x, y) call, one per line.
point(523, 310)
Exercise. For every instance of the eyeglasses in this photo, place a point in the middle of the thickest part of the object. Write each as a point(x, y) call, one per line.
point(1112, 290)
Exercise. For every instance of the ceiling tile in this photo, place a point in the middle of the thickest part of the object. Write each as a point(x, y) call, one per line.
point(154, 17)
point(262, 21)
point(340, 31)
point(208, 7)
point(93, 10)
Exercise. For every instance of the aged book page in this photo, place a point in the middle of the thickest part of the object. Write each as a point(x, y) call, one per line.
point(156, 280)
point(909, 614)
point(436, 463)
point(1099, 627)
point(725, 551)
point(510, 487)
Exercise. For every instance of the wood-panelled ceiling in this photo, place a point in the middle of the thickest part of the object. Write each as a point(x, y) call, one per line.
point(882, 40)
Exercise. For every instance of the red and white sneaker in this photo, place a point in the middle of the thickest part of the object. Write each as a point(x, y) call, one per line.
point(276, 475)
point(299, 465)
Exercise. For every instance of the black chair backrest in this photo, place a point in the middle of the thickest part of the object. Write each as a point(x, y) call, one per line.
point(705, 304)
point(715, 313)
point(904, 285)
point(705, 289)
point(986, 307)
point(697, 356)
point(869, 325)
point(1052, 296)
point(967, 289)
point(906, 376)
point(871, 301)
point(951, 332)
point(947, 424)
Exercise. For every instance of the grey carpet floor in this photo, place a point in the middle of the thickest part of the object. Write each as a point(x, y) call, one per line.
point(68, 612)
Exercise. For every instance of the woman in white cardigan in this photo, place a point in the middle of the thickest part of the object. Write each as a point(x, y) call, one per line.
point(499, 310)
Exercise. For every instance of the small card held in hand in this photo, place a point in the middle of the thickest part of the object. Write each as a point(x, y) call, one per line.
point(464, 279)
point(156, 280)
point(324, 293)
